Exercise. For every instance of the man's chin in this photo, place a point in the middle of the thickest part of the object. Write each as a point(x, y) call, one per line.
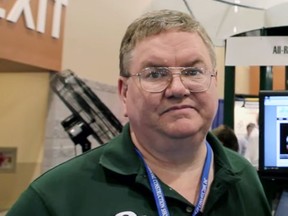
point(182, 130)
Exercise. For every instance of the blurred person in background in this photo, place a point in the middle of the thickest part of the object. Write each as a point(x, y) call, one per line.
point(227, 136)
point(243, 140)
point(252, 150)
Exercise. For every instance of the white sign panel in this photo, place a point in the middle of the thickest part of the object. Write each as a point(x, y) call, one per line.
point(266, 51)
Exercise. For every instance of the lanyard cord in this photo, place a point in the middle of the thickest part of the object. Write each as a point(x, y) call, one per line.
point(159, 195)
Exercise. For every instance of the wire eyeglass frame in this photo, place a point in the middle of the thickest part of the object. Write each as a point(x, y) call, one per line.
point(157, 79)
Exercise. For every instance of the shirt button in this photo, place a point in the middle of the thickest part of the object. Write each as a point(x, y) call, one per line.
point(189, 209)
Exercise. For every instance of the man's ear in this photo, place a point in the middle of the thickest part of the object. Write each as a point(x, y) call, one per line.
point(122, 92)
point(122, 88)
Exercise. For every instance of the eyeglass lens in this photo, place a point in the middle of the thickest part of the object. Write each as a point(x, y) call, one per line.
point(157, 79)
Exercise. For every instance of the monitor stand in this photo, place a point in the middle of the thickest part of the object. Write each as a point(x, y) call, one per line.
point(282, 207)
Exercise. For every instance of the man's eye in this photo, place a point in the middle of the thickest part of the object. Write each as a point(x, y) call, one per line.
point(192, 72)
point(156, 73)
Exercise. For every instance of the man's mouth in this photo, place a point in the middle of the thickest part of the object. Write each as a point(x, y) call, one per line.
point(176, 108)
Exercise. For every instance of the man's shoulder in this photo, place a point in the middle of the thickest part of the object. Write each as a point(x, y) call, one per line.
point(73, 169)
point(239, 163)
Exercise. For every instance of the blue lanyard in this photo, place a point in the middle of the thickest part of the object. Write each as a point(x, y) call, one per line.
point(158, 193)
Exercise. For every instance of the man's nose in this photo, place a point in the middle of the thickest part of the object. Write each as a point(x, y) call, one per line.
point(176, 87)
point(176, 79)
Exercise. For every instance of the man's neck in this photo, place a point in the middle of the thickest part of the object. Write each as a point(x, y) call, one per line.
point(177, 154)
point(181, 172)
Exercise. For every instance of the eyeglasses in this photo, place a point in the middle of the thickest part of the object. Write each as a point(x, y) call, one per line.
point(157, 79)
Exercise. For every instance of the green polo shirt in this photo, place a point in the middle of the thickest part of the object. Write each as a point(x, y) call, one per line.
point(111, 181)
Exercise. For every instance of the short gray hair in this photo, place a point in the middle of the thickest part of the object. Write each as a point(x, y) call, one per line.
point(156, 22)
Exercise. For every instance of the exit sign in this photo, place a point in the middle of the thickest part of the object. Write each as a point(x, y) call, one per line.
point(31, 32)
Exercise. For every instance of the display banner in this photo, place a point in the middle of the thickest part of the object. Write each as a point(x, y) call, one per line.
point(249, 51)
point(31, 32)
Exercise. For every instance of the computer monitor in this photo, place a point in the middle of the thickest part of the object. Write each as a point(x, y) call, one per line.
point(273, 136)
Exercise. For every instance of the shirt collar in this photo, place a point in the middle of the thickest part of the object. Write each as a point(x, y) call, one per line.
point(119, 156)
point(222, 160)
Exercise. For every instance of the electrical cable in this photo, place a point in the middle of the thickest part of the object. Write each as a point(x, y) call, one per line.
point(188, 8)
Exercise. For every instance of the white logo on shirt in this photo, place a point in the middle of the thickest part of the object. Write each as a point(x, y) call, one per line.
point(126, 213)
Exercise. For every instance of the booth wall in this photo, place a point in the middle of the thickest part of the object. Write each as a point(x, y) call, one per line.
point(23, 110)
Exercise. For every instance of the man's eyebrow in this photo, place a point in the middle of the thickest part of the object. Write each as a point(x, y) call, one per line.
point(192, 63)
point(153, 64)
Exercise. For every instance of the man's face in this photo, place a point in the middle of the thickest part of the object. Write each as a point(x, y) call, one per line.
point(175, 112)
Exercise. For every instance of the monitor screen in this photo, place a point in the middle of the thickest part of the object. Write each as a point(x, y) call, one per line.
point(273, 138)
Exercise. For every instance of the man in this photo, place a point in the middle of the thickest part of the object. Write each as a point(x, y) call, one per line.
point(165, 162)
point(252, 150)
